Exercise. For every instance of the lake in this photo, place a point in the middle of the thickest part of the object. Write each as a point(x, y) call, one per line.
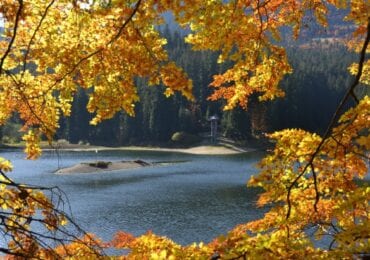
point(193, 200)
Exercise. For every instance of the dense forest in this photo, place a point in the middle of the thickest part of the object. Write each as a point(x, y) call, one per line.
point(312, 92)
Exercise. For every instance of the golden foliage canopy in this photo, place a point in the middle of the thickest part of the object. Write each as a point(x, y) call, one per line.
point(50, 48)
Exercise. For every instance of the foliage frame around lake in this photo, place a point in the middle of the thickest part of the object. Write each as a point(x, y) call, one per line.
point(48, 48)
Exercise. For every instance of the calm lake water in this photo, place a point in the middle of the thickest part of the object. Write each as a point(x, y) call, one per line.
point(192, 201)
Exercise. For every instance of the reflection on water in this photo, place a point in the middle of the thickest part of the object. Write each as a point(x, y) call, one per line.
point(195, 200)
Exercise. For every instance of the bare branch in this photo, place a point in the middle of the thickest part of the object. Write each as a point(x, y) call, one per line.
point(12, 224)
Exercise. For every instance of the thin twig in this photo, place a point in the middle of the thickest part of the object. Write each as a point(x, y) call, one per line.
point(10, 226)
point(123, 26)
point(17, 18)
point(317, 197)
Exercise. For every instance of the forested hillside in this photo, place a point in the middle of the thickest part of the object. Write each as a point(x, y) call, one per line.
point(312, 93)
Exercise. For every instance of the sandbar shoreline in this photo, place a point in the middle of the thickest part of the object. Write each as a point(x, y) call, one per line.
point(87, 167)
point(195, 150)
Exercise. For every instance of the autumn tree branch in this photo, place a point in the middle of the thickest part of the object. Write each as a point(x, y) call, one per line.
point(11, 222)
point(13, 229)
point(55, 207)
point(123, 26)
point(34, 34)
point(73, 68)
point(112, 40)
point(349, 93)
point(16, 22)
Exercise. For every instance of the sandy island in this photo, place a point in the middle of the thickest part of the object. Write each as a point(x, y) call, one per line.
point(103, 166)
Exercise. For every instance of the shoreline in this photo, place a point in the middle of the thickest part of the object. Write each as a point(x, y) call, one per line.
point(196, 150)
point(218, 149)
point(106, 166)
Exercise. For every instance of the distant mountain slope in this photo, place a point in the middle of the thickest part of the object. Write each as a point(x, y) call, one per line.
point(338, 27)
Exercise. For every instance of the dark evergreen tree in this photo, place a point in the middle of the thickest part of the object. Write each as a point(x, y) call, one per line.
point(308, 104)
point(78, 123)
